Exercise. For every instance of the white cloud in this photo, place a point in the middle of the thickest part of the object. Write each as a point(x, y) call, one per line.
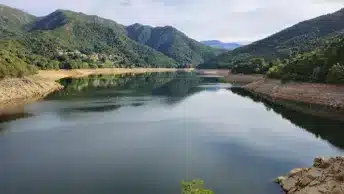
point(227, 20)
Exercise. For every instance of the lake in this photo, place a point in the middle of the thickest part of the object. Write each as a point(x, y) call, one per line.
point(144, 134)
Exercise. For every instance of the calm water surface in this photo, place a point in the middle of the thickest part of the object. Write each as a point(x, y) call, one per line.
point(143, 134)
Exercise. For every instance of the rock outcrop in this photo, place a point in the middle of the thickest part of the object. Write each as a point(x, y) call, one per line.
point(325, 177)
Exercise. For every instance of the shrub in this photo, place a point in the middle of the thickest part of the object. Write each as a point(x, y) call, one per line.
point(275, 71)
point(336, 74)
point(194, 187)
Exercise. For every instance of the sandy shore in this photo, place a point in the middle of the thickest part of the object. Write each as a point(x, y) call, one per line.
point(16, 91)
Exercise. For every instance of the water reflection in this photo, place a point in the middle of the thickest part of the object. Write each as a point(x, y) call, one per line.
point(104, 134)
point(171, 84)
point(9, 114)
point(306, 117)
point(101, 86)
point(104, 108)
point(14, 116)
point(174, 86)
point(179, 87)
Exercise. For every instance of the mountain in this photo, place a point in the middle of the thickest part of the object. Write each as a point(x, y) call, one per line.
point(92, 34)
point(13, 21)
point(66, 39)
point(172, 43)
point(302, 37)
point(221, 45)
point(62, 17)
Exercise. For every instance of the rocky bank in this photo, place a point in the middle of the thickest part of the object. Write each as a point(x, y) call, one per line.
point(326, 95)
point(325, 177)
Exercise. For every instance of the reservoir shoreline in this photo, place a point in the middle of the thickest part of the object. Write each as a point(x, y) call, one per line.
point(327, 95)
point(306, 180)
point(326, 175)
point(18, 91)
point(21, 90)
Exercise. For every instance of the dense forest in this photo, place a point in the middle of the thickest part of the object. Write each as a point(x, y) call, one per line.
point(324, 64)
point(310, 51)
point(66, 39)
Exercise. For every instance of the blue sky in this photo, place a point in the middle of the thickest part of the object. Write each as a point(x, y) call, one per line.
point(226, 20)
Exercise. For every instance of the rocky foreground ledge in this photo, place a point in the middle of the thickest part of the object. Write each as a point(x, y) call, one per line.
point(325, 177)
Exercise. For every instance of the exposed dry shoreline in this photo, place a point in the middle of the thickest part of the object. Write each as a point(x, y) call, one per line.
point(327, 95)
point(331, 96)
point(17, 91)
point(59, 74)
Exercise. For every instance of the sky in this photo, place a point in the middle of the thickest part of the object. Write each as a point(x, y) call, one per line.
point(225, 20)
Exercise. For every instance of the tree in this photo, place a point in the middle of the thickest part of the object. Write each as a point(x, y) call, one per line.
point(53, 64)
point(194, 187)
point(336, 74)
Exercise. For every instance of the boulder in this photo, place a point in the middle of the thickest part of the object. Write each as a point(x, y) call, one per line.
point(325, 177)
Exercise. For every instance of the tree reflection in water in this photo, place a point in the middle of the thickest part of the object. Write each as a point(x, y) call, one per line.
point(310, 118)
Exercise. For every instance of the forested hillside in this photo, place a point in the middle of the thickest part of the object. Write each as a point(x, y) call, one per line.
point(325, 64)
point(172, 43)
point(302, 37)
point(66, 39)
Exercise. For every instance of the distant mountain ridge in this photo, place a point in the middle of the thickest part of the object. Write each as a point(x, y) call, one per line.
point(221, 45)
point(302, 37)
point(172, 43)
point(67, 39)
